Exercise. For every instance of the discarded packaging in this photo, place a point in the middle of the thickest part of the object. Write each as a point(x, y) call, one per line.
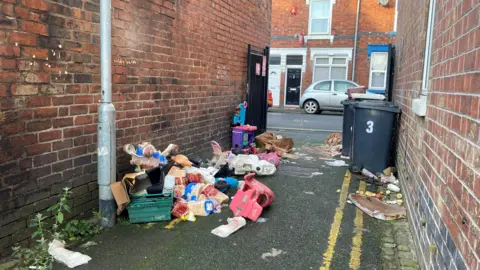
point(368, 174)
point(273, 142)
point(393, 188)
point(180, 208)
point(270, 157)
point(251, 199)
point(274, 253)
point(261, 220)
point(172, 149)
point(370, 194)
point(336, 163)
point(182, 160)
point(212, 193)
point(70, 258)
point(234, 224)
point(200, 208)
point(376, 208)
point(388, 171)
point(334, 139)
point(243, 164)
point(169, 184)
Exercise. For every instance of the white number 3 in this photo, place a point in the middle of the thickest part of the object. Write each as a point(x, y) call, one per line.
point(370, 127)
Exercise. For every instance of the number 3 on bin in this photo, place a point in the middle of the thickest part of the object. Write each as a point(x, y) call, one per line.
point(370, 127)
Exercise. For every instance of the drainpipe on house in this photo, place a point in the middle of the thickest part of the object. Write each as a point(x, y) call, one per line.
point(355, 42)
point(106, 123)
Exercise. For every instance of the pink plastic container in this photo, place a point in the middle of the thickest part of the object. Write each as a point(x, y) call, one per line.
point(251, 199)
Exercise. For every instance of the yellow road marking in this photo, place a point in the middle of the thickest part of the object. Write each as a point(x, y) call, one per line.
point(173, 223)
point(356, 252)
point(337, 221)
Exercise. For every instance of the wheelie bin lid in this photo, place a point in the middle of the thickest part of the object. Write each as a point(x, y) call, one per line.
point(378, 105)
point(347, 102)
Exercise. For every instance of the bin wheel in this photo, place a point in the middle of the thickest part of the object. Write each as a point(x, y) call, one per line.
point(355, 168)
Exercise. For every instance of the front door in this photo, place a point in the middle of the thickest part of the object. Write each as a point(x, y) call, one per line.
point(294, 79)
point(274, 83)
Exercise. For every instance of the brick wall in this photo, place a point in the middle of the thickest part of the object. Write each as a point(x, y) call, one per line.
point(375, 27)
point(439, 155)
point(179, 67)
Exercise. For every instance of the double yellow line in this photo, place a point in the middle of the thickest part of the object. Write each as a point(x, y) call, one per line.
point(335, 229)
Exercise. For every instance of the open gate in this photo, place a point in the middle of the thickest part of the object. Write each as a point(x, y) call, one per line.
point(257, 87)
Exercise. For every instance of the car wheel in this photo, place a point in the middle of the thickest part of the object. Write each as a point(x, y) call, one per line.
point(311, 106)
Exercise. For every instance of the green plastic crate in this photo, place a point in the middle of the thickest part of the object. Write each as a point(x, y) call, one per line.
point(150, 207)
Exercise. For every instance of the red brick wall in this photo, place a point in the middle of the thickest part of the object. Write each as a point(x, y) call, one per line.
point(373, 18)
point(179, 67)
point(439, 155)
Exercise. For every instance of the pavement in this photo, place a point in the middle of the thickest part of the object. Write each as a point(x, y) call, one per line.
point(308, 226)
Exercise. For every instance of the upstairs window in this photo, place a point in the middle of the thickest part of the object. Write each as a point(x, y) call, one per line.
point(320, 17)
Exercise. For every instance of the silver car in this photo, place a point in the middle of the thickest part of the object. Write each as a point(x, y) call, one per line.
point(325, 95)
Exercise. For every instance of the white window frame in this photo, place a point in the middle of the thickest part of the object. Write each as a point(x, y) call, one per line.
point(330, 65)
point(378, 71)
point(428, 48)
point(310, 18)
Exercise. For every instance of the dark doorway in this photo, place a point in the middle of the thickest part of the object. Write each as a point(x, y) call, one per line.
point(294, 80)
point(257, 88)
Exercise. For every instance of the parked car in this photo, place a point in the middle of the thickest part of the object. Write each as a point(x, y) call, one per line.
point(270, 99)
point(325, 95)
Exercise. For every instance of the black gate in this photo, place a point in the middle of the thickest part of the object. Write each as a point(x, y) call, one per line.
point(257, 87)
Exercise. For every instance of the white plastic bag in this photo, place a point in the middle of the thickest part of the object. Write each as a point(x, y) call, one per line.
point(71, 258)
point(337, 163)
point(234, 224)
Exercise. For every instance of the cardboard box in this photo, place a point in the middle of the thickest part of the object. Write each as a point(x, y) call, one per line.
point(120, 193)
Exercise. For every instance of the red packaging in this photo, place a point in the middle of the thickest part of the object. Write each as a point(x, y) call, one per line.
point(194, 177)
point(180, 208)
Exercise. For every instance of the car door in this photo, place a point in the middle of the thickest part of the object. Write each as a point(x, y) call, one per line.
point(339, 93)
point(322, 93)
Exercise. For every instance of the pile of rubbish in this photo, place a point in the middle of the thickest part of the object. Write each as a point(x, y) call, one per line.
point(387, 203)
point(167, 183)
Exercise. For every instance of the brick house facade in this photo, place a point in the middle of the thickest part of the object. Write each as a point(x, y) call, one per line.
point(327, 46)
point(437, 86)
point(179, 67)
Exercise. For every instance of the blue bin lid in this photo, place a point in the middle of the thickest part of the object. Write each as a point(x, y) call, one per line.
point(378, 105)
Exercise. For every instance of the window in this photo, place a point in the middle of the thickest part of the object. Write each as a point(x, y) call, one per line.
point(320, 17)
point(327, 68)
point(378, 70)
point(342, 86)
point(296, 60)
point(428, 48)
point(323, 86)
point(275, 60)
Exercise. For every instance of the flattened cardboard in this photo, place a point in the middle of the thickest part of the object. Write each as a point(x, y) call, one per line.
point(120, 193)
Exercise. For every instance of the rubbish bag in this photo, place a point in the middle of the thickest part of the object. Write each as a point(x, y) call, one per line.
point(71, 258)
point(234, 224)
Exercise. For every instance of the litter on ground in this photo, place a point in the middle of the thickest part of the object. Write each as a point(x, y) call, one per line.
point(274, 253)
point(337, 163)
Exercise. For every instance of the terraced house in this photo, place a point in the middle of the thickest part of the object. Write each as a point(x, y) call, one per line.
point(315, 40)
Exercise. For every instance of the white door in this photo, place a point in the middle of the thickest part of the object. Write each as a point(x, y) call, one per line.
point(274, 84)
